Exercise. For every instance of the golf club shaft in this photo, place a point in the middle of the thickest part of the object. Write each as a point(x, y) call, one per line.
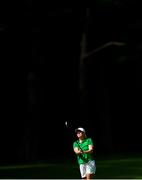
point(68, 126)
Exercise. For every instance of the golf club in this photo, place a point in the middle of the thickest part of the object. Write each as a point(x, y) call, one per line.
point(69, 126)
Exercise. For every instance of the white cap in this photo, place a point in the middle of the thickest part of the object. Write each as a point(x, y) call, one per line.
point(80, 129)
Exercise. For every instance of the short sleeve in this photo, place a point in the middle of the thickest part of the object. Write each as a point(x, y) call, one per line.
point(75, 145)
point(90, 141)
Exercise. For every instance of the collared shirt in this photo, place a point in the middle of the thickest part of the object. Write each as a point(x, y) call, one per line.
point(84, 145)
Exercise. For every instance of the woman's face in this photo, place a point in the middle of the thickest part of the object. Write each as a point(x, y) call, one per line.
point(80, 134)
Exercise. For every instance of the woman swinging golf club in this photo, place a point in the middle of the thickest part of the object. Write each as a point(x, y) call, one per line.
point(83, 148)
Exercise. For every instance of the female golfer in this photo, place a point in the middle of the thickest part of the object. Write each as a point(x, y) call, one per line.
point(83, 148)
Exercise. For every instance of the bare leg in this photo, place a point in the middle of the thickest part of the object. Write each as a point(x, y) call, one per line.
point(90, 176)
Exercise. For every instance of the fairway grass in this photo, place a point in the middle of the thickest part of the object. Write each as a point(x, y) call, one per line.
point(107, 168)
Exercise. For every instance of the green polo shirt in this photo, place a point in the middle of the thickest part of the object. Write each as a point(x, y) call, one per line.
point(84, 145)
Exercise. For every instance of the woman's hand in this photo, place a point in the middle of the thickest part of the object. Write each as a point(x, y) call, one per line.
point(78, 151)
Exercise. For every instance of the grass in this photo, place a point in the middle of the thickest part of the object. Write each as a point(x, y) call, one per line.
point(125, 168)
point(114, 167)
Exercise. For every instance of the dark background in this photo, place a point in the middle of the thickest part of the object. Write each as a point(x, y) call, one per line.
point(40, 61)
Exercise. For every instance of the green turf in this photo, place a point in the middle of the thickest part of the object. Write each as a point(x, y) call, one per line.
point(47, 171)
point(114, 167)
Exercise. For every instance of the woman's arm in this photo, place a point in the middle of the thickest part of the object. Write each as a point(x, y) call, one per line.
point(77, 151)
point(89, 151)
